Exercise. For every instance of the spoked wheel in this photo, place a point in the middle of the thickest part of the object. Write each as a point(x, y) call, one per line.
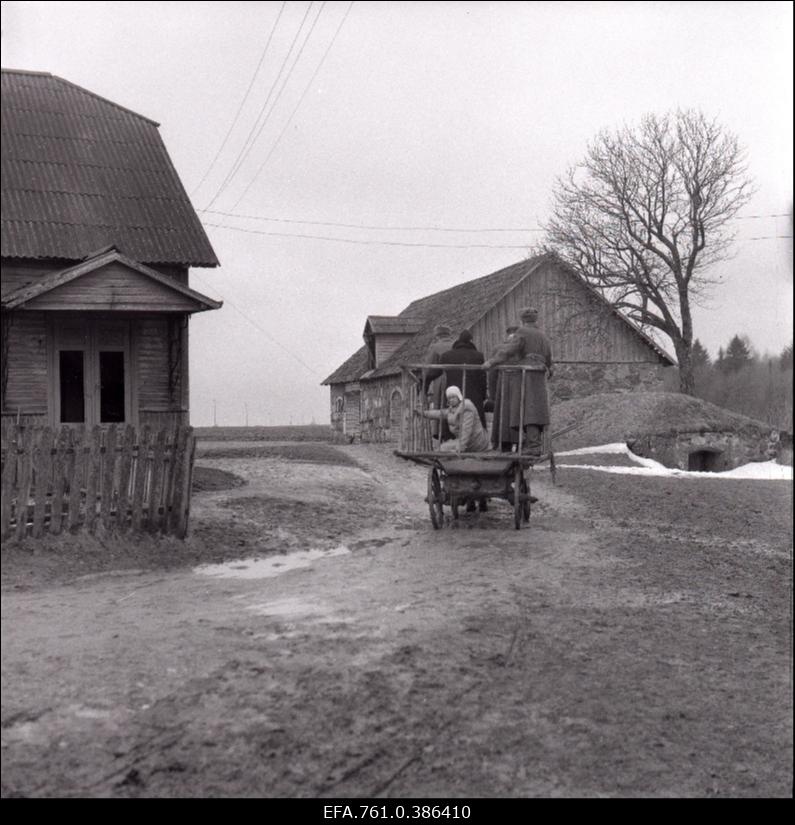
point(436, 498)
point(521, 498)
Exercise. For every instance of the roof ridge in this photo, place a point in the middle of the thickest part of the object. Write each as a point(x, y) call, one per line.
point(82, 89)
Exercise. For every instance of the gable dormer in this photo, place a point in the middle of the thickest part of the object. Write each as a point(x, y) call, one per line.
point(384, 334)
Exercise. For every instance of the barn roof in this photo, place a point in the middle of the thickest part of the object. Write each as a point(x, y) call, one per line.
point(460, 307)
point(81, 172)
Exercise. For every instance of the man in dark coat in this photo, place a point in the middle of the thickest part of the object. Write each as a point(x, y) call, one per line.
point(500, 425)
point(527, 346)
point(473, 386)
point(434, 388)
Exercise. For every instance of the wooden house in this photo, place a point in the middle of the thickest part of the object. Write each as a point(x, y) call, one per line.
point(98, 236)
point(595, 348)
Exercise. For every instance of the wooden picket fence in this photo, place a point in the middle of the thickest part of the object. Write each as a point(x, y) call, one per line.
point(113, 478)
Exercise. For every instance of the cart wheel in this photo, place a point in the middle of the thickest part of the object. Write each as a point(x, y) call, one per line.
point(435, 498)
point(521, 501)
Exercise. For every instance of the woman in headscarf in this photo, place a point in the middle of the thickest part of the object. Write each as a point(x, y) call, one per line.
point(469, 435)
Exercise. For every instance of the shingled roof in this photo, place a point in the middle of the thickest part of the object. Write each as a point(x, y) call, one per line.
point(460, 307)
point(81, 172)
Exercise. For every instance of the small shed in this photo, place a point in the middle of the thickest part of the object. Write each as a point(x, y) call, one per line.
point(98, 236)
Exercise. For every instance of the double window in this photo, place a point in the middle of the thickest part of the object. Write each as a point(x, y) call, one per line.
point(91, 371)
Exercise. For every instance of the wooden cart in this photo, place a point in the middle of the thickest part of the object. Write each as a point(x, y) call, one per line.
point(456, 478)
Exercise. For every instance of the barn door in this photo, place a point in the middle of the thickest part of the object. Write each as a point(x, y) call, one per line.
point(91, 372)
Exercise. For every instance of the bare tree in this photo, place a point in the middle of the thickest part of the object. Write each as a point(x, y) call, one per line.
point(647, 213)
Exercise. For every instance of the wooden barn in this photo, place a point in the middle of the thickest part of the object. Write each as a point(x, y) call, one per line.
point(595, 348)
point(98, 236)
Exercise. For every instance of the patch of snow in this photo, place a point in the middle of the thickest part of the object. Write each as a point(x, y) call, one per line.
point(758, 470)
point(268, 567)
point(616, 448)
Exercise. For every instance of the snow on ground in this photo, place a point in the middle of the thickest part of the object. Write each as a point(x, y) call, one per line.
point(760, 470)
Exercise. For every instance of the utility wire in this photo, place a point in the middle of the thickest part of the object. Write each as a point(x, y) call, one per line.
point(281, 89)
point(406, 228)
point(366, 226)
point(364, 242)
point(246, 145)
point(404, 243)
point(297, 107)
point(257, 326)
point(242, 102)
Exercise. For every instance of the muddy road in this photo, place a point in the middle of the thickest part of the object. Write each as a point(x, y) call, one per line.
point(635, 640)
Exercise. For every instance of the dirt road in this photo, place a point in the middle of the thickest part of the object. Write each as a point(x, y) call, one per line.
point(640, 649)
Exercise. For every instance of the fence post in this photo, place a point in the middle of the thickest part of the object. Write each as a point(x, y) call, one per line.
point(76, 479)
point(140, 478)
point(60, 463)
point(23, 490)
point(187, 480)
point(108, 464)
point(94, 469)
point(9, 437)
point(42, 468)
point(156, 481)
point(128, 444)
point(178, 477)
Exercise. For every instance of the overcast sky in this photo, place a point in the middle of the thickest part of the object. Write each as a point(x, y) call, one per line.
point(417, 118)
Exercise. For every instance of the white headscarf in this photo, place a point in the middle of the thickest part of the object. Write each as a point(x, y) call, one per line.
point(454, 392)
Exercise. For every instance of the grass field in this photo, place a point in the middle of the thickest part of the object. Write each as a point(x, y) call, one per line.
point(302, 432)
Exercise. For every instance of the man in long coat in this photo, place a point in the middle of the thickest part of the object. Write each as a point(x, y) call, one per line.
point(464, 351)
point(500, 426)
point(441, 342)
point(529, 409)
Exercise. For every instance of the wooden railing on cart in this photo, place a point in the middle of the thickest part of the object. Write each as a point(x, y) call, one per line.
point(114, 477)
point(416, 430)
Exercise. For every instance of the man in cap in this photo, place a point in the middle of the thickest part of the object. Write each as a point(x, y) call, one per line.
point(527, 346)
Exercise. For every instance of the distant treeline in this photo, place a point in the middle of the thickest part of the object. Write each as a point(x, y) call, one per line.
point(739, 379)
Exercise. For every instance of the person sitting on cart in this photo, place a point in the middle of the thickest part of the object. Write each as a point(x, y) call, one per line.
point(527, 346)
point(474, 388)
point(469, 435)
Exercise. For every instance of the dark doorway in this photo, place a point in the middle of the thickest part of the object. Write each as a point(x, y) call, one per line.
point(111, 387)
point(72, 373)
point(705, 461)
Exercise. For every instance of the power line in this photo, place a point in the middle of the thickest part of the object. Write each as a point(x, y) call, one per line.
point(364, 242)
point(243, 153)
point(298, 105)
point(359, 241)
point(391, 228)
point(282, 88)
point(242, 102)
point(367, 226)
point(261, 329)
point(766, 238)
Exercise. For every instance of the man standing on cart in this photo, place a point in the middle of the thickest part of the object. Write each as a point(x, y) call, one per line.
point(528, 346)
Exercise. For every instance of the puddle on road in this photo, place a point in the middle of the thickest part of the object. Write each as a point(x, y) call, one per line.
point(269, 567)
